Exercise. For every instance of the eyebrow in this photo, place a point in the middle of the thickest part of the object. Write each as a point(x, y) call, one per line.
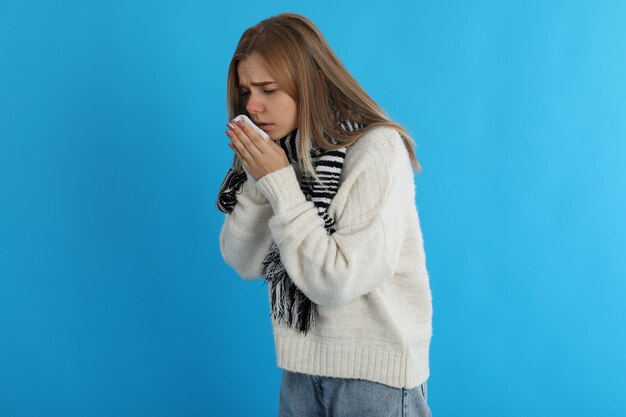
point(260, 84)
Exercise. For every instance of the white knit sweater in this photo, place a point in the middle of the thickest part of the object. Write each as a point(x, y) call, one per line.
point(368, 279)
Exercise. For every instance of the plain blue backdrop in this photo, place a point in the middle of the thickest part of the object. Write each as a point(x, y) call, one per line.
point(114, 299)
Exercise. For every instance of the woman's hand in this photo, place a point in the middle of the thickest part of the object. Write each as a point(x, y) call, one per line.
point(257, 156)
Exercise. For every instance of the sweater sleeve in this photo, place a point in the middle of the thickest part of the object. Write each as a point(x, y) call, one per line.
point(335, 269)
point(245, 237)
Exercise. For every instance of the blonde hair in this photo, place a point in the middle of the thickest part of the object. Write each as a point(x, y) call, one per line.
point(306, 68)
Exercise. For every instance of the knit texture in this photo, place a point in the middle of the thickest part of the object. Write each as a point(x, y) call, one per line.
point(368, 279)
point(287, 301)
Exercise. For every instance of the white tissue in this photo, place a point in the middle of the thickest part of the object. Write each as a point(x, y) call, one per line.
point(246, 120)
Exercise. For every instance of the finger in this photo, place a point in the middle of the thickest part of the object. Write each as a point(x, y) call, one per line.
point(241, 140)
point(251, 138)
point(276, 148)
point(243, 161)
point(240, 150)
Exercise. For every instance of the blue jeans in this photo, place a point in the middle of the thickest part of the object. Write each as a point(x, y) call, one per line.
point(303, 395)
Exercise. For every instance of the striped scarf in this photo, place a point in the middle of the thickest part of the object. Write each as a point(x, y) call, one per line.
point(287, 302)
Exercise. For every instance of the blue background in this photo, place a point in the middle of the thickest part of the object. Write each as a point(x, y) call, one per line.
point(114, 299)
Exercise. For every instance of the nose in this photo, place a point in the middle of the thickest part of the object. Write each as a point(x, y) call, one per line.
point(254, 104)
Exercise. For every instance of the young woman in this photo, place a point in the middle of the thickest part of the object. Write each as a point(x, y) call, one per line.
point(325, 212)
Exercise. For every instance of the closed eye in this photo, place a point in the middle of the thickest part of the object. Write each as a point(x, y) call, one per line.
point(247, 93)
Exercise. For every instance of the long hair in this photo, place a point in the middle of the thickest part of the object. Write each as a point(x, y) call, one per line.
point(307, 69)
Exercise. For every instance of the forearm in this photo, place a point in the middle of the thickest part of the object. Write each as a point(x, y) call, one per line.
point(245, 236)
point(333, 269)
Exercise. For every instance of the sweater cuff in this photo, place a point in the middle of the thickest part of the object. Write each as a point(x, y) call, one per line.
point(249, 187)
point(281, 188)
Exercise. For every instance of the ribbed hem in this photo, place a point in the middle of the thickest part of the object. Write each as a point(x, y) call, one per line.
point(281, 188)
point(400, 369)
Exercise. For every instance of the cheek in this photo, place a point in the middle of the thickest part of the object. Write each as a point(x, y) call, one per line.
point(287, 110)
point(290, 110)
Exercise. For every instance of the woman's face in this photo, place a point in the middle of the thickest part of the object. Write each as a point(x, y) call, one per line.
point(269, 106)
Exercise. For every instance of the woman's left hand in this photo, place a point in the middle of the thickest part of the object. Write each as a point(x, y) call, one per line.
point(258, 157)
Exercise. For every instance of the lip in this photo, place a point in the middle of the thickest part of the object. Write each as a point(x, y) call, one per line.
point(265, 126)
